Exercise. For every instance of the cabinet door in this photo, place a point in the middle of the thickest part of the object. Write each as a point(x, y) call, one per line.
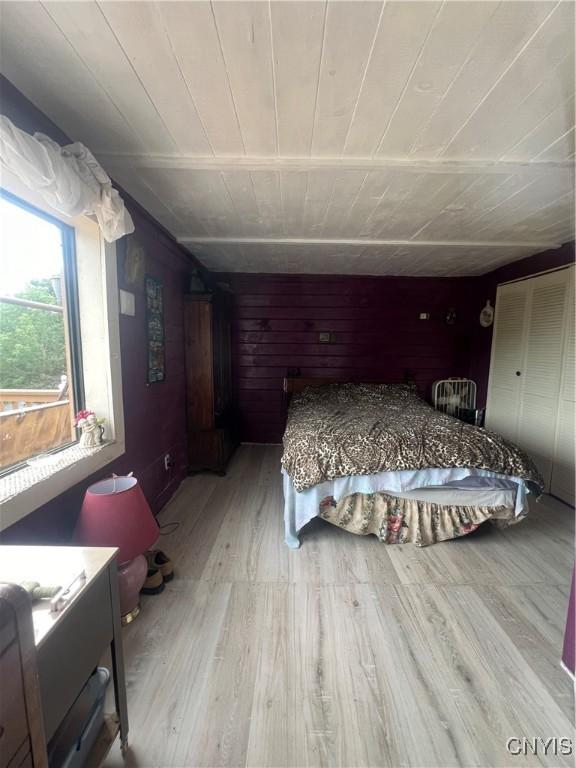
point(222, 350)
point(563, 472)
point(199, 373)
point(506, 361)
point(542, 370)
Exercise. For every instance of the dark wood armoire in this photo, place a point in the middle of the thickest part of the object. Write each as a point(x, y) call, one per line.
point(210, 413)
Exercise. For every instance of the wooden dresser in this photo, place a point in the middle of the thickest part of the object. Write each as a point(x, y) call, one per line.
point(210, 413)
point(46, 657)
point(22, 740)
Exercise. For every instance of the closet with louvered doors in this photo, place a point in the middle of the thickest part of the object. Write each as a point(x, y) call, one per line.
point(531, 390)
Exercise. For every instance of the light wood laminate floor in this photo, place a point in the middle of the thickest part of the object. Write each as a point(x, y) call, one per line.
point(346, 652)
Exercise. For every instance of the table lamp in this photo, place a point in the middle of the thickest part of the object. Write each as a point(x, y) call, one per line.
point(115, 513)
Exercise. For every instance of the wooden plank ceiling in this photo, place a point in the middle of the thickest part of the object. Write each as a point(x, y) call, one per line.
point(404, 138)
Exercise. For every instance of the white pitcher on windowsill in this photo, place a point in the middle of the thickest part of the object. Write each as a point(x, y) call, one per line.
point(92, 429)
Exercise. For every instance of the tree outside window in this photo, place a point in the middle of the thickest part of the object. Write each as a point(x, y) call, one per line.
point(36, 371)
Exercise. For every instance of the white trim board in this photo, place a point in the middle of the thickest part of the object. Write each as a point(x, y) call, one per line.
point(274, 163)
point(185, 240)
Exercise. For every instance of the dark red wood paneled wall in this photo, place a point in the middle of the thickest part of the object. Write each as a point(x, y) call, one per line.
point(376, 331)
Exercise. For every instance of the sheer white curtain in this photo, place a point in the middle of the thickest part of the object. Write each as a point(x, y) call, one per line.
point(69, 178)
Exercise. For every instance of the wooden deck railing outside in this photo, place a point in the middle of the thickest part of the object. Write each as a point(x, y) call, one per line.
point(44, 423)
point(12, 398)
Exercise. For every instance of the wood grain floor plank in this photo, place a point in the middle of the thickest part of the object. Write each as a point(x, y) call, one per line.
point(454, 724)
point(514, 556)
point(274, 734)
point(472, 677)
point(246, 548)
point(217, 733)
point(534, 619)
point(294, 714)
point(330, 562)
point(516, 692)
point(345, 653)
point(169, 652)
point(202, 517)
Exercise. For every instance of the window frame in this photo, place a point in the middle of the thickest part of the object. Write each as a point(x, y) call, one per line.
point(98, 311)
point(72, 332)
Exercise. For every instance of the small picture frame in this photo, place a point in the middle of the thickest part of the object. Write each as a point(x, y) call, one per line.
point(155, 330)
point(134, 262)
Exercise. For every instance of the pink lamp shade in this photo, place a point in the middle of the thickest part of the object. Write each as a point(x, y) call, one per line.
point(115, 513)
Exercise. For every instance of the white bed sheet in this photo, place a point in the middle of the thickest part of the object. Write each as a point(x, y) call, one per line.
point(487, 488)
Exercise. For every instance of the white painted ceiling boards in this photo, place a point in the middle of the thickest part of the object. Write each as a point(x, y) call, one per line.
point(405, 138)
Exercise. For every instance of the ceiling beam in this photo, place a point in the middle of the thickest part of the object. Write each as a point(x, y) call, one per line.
point(187, 240)
point(226, 163)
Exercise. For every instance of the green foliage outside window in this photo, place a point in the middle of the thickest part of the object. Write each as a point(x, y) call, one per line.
point(32, 350)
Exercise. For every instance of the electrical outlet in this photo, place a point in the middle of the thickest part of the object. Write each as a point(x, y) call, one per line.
point(167, 462)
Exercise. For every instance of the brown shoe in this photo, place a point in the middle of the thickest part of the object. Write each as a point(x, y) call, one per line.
point(158, 559)
point(154, 583)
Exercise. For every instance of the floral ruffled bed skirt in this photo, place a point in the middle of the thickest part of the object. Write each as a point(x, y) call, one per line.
point(396, 520)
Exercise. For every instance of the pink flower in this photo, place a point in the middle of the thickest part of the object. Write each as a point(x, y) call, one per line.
point(81, 415)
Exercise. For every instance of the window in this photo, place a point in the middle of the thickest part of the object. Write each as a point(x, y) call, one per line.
point(58, 295)
point(40, 360)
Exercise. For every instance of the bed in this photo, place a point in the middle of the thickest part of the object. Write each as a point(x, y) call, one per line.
point(375, 458)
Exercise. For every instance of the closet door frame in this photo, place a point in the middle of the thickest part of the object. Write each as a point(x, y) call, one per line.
point(569, 317)
point(502, 288)
point(540, 387)
point(530, 282)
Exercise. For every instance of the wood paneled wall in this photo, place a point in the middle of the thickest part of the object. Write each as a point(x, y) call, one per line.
point(375, 327)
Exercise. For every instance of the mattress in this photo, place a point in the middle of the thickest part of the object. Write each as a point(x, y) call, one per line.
point(469, 492)
point(454, 486)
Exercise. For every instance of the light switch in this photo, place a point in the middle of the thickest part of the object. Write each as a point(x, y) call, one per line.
point(127, 303)
point(424, 315)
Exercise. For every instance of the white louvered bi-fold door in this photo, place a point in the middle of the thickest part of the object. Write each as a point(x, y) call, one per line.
point(542, 370)
point(563, 467)
point(506, 362)
point(530, 392)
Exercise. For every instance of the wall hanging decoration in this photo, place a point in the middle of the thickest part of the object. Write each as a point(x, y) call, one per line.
point(487, 315)
point(155, 329)
point(134, 262)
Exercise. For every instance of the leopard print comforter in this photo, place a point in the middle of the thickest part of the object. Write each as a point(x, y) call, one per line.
point(360, 429)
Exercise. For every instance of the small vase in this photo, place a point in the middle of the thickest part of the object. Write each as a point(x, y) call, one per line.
point(91, 436)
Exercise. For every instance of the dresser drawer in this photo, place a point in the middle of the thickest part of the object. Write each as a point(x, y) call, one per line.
point(69, 654)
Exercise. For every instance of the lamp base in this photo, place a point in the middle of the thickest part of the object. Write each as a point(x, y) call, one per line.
point(131, 577)
point(128, 618)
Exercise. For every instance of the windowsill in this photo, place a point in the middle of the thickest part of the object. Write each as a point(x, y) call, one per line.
point(25, 490)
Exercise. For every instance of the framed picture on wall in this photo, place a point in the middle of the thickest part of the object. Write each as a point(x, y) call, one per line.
point(155, 330)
